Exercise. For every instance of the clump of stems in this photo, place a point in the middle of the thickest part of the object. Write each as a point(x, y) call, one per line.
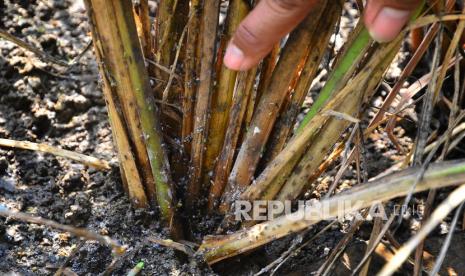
point(235, 135)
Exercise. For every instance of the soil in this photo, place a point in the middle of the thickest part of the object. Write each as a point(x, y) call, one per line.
point(42, 103)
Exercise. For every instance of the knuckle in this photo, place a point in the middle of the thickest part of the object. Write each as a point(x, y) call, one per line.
point(245, 37)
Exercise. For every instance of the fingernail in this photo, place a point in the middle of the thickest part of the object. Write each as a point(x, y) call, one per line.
point(234, 57)
point(388, 24)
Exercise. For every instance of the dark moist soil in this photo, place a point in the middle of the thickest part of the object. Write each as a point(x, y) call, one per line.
point(42, 103)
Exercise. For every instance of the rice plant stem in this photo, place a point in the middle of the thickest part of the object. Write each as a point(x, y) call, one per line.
point(120, 52)
point(354, 53)
point(203, 101)
point(439, 175)
point(222, 97)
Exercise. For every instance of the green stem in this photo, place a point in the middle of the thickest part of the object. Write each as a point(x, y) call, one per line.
point(339, 73)
point(354, 53)
point(148, 119)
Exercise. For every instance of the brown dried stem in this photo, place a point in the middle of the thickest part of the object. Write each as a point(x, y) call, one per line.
point(319, 42)
point(225, 161)
point(209, 23)
point(215, 249)
point(40, 54)
point(222, 98)
point(192, 67)
point(81, 158)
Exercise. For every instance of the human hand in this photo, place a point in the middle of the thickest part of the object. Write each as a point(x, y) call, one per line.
point(271, 20)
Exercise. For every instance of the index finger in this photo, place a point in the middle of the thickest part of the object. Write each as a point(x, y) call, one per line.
point(263, 27)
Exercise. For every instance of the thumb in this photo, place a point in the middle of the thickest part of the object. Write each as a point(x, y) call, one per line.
point(385, 19)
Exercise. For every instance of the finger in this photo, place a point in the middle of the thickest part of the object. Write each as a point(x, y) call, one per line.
point(262, 28)
point(385, 19)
